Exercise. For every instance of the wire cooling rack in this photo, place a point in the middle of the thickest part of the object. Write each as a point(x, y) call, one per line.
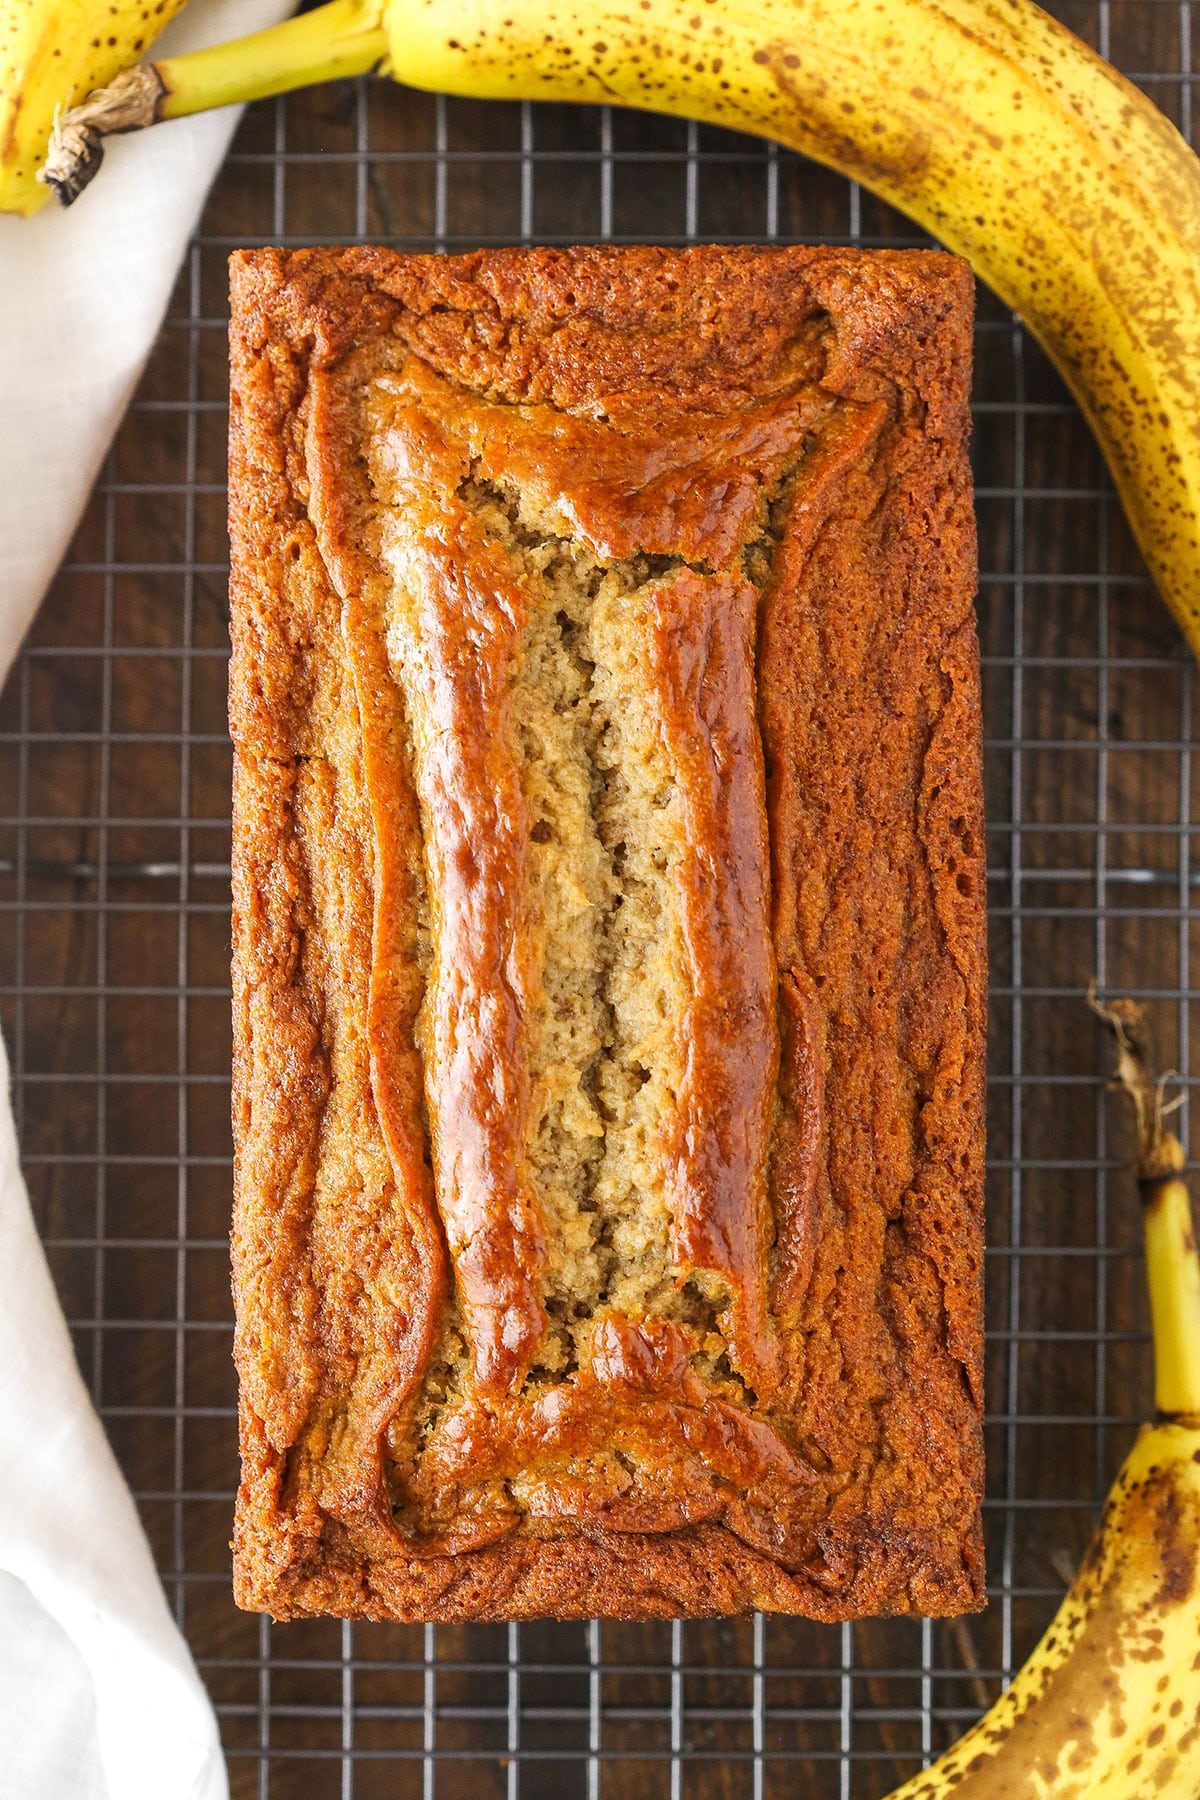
point(114, 847)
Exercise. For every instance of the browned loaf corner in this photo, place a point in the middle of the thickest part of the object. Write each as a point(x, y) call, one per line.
point(608, 934)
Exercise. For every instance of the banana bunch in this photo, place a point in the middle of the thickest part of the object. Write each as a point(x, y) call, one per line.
point(1068, 191)
point(52, 54)
point(1108, 1704)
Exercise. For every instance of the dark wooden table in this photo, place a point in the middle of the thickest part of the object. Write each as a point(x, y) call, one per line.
point(114, 844)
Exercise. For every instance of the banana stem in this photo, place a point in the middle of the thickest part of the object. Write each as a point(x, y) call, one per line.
point(345, 37)
point(342, 38)
point(1173, 1274)
point(1172, 1262)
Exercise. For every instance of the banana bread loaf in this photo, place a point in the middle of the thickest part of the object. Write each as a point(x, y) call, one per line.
point(609, 968)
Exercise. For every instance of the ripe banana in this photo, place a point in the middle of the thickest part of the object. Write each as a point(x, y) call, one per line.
point(1070, 193)
point(1108, 1705)
point(52, 53)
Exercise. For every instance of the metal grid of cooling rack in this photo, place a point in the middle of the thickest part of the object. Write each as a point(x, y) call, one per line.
point(114, 843)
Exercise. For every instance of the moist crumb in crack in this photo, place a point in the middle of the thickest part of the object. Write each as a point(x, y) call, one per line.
point(605, 856)
point(603, 870)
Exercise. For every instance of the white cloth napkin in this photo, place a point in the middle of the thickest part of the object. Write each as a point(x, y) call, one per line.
point(99, 1699)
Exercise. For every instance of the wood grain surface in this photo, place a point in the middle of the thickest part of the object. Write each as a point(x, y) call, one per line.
point(114, 840)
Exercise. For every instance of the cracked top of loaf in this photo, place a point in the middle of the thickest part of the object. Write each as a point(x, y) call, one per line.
point(609, 968)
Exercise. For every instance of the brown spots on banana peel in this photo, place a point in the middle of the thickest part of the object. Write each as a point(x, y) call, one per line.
point(50, 59)
point(9, 137)
point(841, 148)
point(1179, 1549)
point(1084, 1689)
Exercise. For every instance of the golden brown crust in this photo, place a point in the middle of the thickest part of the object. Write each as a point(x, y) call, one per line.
point(702, 636)
point(786, 428)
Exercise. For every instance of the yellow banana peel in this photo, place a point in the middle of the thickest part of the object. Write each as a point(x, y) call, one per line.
point(52, 54)
point(1108, 1704)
